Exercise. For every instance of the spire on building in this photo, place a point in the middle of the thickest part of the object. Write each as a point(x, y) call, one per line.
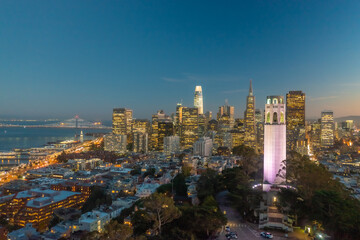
point(250, 89)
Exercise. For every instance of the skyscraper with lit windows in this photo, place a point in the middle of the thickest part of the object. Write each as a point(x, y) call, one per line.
point(225, 118)
point(274, 139)
point(249, 117)
point(165, 129)
point(327, 129)
point(157, 118)
point(295, 120)
point(122, 121)
point(189, 127)
point(198, 99)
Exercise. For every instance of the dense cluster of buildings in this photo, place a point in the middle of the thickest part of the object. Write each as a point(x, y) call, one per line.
point(153, 149)
point(188, 125)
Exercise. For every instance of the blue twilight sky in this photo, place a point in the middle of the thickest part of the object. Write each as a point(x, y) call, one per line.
point(61, 58)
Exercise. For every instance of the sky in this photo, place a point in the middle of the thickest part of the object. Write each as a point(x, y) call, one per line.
point(61, 58)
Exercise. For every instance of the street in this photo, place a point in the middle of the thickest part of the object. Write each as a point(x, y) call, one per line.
point(244, 229)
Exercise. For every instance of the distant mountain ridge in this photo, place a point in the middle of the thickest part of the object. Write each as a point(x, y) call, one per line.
point(354, 118)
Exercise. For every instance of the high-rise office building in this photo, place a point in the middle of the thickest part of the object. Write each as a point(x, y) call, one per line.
point(141, 125)
point(202, 122)
point(171, 144)
point(237, 137)
point(203, 147)
point(327, 129)
point(295, 119)
point(274, 139)
point(140, 142)
point(189, 127)
point(225, 118)
point(208, 115)
point(259, 124)
point(212, 125)
point(198, 99)
point(315, 135)
point(122, 121)
point(178, 118)
point(249, 117)
point(165, 129)
point(115, 143)
point(156, 119)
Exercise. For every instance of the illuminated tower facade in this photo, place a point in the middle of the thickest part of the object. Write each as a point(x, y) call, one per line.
point(165, 129)
point(122, 121)
point(274, 139)
point(156, 119)
point(250, 134)
point(189, 127)
point(178, 118)
point(225, 118)
point(198, 99)
point(295, 119)
point(327, 129)
point(259, 124)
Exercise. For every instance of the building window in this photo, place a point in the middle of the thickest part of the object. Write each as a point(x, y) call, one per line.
point(282, 117)
point(268, 117)
point(275, 101)
point(275, 119)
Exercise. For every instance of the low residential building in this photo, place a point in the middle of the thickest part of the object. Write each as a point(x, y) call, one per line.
point(93, 221)
point(59, 231)
point(85, 164)
point(25, 233)
point(171, 144)
point(146, 189)
point(126, 202)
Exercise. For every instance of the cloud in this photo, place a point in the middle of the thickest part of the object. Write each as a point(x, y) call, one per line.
point(234, 91)
point(322, 98)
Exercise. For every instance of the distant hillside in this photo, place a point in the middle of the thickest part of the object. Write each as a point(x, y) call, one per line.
point(341, 119)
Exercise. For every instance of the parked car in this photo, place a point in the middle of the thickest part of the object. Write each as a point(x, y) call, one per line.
point(231, 235)
point(266, 235)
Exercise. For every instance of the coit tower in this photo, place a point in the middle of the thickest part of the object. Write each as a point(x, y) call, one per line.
point(274, 140)
point(198, 99)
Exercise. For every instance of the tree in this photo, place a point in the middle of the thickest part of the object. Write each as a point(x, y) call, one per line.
point(62, 157)
point(197, 222)
point(208, 184)
point(140, 222)
point(150, 172)
point(135, 171)
point(96, 198)
point(161, 210)
point(339, 215)
point(117, 231)
point(165, 188)
point(180, 185)
point(250, 160)
point(186, 170)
